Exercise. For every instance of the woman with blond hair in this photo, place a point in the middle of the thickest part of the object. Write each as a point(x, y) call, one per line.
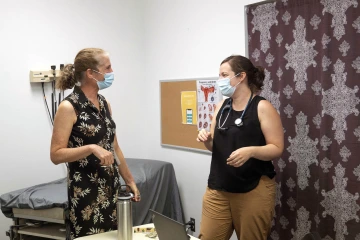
point(84, 137)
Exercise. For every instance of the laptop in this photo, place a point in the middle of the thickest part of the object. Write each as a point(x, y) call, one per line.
point(167, 228)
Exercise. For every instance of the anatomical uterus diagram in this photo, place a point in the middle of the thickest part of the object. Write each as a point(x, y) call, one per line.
point(207, 90)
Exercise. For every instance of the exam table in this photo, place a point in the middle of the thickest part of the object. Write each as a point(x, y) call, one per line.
point(40, 211)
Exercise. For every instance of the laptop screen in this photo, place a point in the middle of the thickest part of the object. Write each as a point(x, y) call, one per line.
point(167, 228)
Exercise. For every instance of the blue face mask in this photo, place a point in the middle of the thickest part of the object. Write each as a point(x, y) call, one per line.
point(225, 86)
point(108, 80)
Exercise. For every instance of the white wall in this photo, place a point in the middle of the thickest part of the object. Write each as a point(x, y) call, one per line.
point(187, 39)
point(148, 41)
point(40, 33)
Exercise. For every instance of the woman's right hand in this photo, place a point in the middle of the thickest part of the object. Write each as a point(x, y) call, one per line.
point(106, 158)
point(204, 136)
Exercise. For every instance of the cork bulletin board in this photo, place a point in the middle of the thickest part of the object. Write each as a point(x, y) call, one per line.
point(173, 132)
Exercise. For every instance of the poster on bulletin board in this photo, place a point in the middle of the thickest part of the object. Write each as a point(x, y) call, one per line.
point(188, 107)
point(208, 95)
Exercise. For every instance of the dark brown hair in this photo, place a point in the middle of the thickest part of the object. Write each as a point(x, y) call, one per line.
point(255, 75)
point(88, 58)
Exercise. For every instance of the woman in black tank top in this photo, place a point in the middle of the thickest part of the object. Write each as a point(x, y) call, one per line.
point(245, 136)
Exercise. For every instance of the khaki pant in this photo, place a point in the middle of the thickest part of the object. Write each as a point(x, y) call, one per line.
point(250, 213)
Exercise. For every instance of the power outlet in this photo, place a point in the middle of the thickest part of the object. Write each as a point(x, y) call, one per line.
point(192, 224)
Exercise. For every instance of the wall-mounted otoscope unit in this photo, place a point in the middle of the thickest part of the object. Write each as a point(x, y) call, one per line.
point(49, 76)
point(44, 75)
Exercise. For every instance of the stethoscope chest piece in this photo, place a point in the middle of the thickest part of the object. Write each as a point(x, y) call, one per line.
point(238, 122)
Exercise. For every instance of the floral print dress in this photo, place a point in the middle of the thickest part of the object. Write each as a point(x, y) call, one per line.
point(92, 188)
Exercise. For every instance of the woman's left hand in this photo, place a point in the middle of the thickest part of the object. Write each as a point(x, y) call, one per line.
point(136, 192)
point(239, 157)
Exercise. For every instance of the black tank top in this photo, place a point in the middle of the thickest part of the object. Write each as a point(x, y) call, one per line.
point(238, 179)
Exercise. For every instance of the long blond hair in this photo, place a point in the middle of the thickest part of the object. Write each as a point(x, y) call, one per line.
point(87, 58)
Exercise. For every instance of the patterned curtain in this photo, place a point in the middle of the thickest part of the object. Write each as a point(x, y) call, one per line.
point(310, 50)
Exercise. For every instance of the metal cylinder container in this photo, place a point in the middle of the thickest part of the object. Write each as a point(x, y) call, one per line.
point(124, 215)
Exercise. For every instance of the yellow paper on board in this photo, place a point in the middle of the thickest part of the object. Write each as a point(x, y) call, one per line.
point(188, 107)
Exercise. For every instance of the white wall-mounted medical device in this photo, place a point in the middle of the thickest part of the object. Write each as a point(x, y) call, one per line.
point(44, 75)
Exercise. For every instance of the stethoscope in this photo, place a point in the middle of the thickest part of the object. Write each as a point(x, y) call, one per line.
point(239, 121)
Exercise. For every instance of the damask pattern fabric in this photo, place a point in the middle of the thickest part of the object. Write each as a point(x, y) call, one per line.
point(92, 188)
point(311, 55)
